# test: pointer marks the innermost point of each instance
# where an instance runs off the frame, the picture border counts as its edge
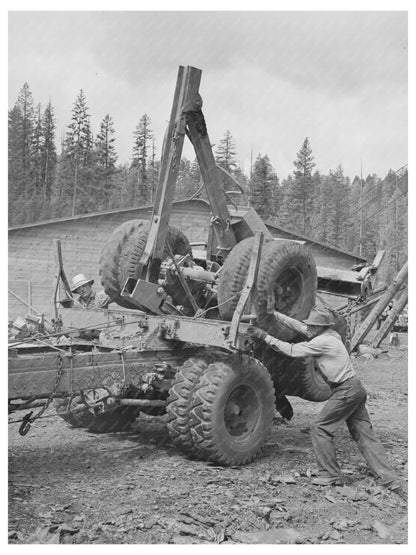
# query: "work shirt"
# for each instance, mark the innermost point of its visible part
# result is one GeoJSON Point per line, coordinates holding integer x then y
{"type": "Point", "coordinates": [95, 300]}
{"type": "Point", "coordinates": [292, 324]}
{"type": "Point", "coordinates": [328, 350]}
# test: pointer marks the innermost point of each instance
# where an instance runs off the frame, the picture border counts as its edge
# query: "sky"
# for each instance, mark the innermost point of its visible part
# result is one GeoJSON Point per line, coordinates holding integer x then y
{"type": "Point", "coordinates": [271, 78]}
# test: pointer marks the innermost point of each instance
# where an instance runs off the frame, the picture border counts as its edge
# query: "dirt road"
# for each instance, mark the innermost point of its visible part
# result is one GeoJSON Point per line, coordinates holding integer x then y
{"type": "Point", "coordinates": [70, 486]}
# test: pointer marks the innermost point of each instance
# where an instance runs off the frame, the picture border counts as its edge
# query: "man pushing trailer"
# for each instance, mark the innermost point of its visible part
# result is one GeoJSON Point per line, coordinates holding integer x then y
{"type": "Point", "coordinates": [346, 404]}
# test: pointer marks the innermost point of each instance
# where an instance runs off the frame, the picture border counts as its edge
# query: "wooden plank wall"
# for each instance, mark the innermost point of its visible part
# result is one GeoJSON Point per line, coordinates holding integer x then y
{"type": "Point", "coordinates": [31, 250]}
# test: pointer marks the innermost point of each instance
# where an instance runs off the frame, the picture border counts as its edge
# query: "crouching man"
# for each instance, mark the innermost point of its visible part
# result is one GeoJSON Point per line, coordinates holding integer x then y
{"type": "Point", "coordinates": [346, 404]}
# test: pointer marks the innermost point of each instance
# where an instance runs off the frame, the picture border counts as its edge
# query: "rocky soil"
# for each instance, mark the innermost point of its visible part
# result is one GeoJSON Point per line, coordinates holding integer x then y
{"type": "Point", "coordinates": [72, 487]}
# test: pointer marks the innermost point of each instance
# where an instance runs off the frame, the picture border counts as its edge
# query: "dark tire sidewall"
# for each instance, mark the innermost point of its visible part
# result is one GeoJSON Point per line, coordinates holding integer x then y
{"type": "Point", "coordinates": [278, 258]}
{"type": "Point", "coordinates": [218, 383]}
{"type": "Point", "coordinates": [120, 258]}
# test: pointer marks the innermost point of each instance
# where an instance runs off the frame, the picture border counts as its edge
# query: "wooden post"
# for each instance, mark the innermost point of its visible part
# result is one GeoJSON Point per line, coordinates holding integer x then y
{"type": "Point", "coordinates": [391, 318]}
{"type": "Point", "coordinates": [250, 289]}
{"type": "Point", "coordinates": [371, 319]}
{"type": "Point", "coordinates": [61, 272]}
{"type": "Point", "coordinates": [61, 276]}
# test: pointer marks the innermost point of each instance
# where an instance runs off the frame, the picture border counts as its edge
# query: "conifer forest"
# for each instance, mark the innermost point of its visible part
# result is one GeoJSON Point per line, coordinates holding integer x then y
{"type": "Point", "coordinates": [83, 174]}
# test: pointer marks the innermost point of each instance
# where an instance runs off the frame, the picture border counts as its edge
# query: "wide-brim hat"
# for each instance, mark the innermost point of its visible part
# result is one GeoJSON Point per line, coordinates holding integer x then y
{"type": "Point", "coordinates": [320, 318]}
{"type": "Point", "coordinates": [78, 281]}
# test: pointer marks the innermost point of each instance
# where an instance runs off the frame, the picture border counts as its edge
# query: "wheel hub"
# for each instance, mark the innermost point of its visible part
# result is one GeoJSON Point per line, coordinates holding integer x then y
{"type": "Point", "coordinates": [287, 290]}
{"type": "Point", "coordinates": [241, 411]}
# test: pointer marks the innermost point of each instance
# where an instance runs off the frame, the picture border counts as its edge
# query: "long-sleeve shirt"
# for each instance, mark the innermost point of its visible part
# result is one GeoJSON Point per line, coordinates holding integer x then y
{"type": "Point", "coordinates": [330, 354]}
{"type": "Point", "coordinates": [95, 300]}
{"type": "Point", "coordinates": [292, 324]}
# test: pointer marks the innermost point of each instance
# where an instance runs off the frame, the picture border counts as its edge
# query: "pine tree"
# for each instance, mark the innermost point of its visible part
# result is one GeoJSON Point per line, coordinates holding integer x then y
{"type": "Point", "coordinates": [36, 151]}
{"type": "Point", "coordinates": [317, 183]}
{"type": "Point", "coordinates": [225, 155]}
{"type": "Point", "coordinates": [340, 194]}
{"type": "Point", "coordinates": [106, 159]}
{"type": "Point", "coordinates": [392, 222]}
{"type": "Point", "coordinates": [353, 238]}
{"type": "Point", "coordinates": [184, 184]}
{"type": "Point", "coordinates": [371, 207]}
{"type": "Point", "coordinates": [20, 128]}
{"type": "Point", "coordinates": [25, 103]}
{"type": "Point", "coordinates": [49, 156]}
{"type": "Point", "coordinates": [322, 228]}
{"type": "Point", "coordinates": [241, 178]}
{"type": "Point", "coordinates": [143, 137]}
{"type": "Point", "coordinates": [263, 187]}
{"type": "Point", "coordinates": [77, 161]}
{"type": "Point", "coordinates": [154, 166]}
{"type": "Point", "coordinates": [297, 209]}
{"type": "Point", "coordinates": [16, 183]}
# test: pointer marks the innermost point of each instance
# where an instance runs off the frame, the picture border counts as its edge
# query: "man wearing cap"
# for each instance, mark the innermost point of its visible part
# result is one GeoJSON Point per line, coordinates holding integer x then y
{"type": "Point", "coordinates": [346, 404]}
{"type": "Point", "coordinates": [87, 296]}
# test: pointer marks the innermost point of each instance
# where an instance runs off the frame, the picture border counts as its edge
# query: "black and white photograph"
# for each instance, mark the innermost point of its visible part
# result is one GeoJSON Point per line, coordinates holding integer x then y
{"type": "Point", "coordinates": [207, 304]}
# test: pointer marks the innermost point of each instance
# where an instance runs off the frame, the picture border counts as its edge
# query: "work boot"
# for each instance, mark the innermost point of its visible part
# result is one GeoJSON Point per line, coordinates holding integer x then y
{"type": "Point", "coordinates": [390, 483]}
{"type": "Point", "coordinates": [396, 486]}
{"type": "Point", "coordinates": [327, 481]}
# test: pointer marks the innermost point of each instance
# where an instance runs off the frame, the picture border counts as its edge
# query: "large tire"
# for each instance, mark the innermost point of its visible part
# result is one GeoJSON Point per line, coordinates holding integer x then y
{"type": "Point", "coordinates": [112, 260]}
{"type": "Point", "coordinates": [180, 400]}
{"type": "Point", "coordinates": [313, 385]}
{"type": "Point", "coordinates": [287, 271]}
{"type": "Point", "coordinates": [120, 259]}
{"type": "Point", "coordinates": [233, 277]}
{"type": "Point", "coordinates": [300, 376]}
{"type": "Point", "coordinates": [232, 411]}
{"type": "Point", "coordinates": [288, 274]}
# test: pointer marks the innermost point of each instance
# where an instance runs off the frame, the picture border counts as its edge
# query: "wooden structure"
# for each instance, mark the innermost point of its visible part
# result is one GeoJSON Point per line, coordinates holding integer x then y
{"type": "Point", "coordinates": [31, 248]}
{"type": "Point", "coordinates": [394, 288]}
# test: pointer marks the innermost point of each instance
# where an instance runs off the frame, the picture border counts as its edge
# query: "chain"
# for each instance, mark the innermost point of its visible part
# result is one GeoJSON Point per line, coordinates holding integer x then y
{"type": "Point", "coordinates": [28, 419]}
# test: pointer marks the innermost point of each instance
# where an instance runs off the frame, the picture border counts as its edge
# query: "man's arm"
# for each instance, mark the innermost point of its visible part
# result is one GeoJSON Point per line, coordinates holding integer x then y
{"type": "Point", "coordinates": [313, 347]}
{"type": "Point", "coordinates": [291, 323]}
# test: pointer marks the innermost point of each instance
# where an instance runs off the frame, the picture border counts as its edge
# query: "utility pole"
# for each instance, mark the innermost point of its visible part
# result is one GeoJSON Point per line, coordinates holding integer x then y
{"type": "Point", "coordinates": [361, 211]}
{"type": "Point", "coordinates": [251, 161]}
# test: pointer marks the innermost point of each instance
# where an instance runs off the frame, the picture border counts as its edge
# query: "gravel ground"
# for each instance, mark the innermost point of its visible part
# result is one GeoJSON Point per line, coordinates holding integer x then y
{"type": "Point", "coordinates": [72, 487]}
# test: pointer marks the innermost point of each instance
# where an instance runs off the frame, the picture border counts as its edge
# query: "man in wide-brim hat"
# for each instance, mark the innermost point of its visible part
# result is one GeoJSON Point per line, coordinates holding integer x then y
{"type": "Point", "coordinates": [346, 404]}
{"type": "Point", "coordinates": [82, 286]}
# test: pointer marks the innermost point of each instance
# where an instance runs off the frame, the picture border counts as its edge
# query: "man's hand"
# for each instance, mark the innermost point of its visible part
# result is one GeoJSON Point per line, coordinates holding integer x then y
{"type": "Point", "coordinates": [256, 333]}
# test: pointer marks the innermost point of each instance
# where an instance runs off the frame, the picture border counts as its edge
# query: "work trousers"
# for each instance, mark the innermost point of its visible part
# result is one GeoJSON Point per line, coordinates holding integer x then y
{"type": "Point", "coordinates": [347, 404]}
